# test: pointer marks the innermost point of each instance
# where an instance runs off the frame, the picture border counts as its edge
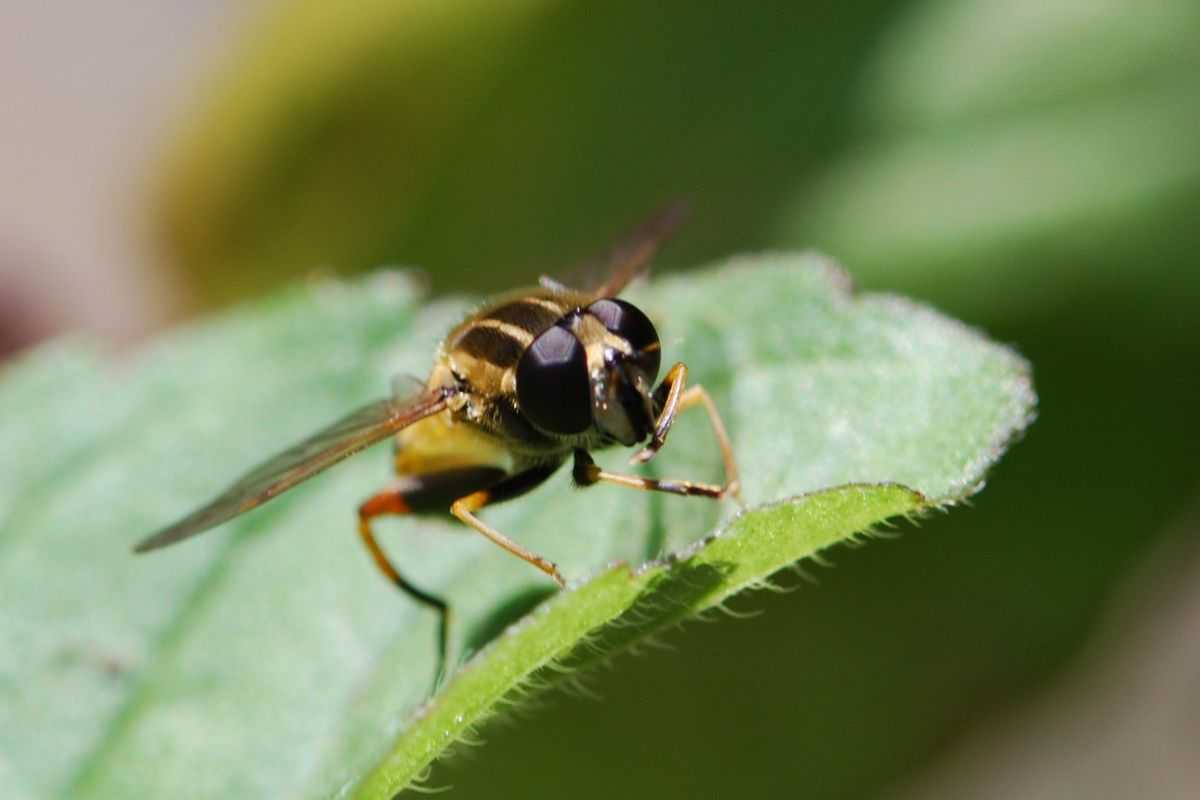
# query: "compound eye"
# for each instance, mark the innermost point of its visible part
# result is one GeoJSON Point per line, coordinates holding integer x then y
{"type": "Point", "coordinates": [627, 321]}
{"type": "Point", "coordinates": [552, 383]}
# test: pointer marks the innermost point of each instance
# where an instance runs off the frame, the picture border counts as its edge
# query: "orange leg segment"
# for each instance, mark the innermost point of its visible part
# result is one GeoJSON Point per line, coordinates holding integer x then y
{"type": "Point", "coordinates": [392, 501]}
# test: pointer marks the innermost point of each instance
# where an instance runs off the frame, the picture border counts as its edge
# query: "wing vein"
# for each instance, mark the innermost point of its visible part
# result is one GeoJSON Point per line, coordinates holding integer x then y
{"type": "Point", "coordinates": [364, 427]}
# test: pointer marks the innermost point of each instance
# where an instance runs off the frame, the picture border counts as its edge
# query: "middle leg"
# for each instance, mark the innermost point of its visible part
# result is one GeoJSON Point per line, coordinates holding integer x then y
{"type": "Point", "coordinates": [587, 472]}
{"type": "Point", "coordinates": [464, 509]}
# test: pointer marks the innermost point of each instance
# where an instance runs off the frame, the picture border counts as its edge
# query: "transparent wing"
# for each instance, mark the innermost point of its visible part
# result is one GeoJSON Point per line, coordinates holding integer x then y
{"type": "Point", "coordinates": [366, 426]}
{"type": "Point", "coordinates": [633, 254]}
{"type": "Point", "coordinates": [405, 384]}
{"type": "Point", "coordinates": [630, 256]}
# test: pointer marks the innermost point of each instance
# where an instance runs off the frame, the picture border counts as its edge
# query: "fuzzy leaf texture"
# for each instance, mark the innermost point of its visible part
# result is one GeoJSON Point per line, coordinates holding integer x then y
{"type": "Point", "coordinates": [269, 659]}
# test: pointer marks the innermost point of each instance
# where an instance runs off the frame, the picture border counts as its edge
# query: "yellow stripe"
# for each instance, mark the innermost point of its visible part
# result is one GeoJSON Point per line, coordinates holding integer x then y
{"type": "Point", "coordinates": [546, 303]}
{"type": "Point", "coordinates": [515, 332]}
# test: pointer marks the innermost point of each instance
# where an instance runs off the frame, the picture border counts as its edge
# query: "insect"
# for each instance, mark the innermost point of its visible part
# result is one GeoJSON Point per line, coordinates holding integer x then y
{"type": "Point", "coordinates": [529, 380]}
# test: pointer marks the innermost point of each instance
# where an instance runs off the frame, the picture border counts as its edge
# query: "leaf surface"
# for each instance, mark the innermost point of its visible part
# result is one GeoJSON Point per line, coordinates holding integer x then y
{"type": "Point", "coordinates": [269, 659]}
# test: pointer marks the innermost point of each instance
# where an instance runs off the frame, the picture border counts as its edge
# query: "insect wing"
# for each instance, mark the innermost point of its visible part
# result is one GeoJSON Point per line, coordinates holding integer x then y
{"type": "Point", "coordinates": [366, 426]}
{"type": "Point", "coordinates": [632, 255]}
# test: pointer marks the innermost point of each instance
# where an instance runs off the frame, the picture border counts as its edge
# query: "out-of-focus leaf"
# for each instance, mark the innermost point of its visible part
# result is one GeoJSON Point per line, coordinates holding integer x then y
{"type": "Point", "coordinates": [267, 659]}
{"type": "Point", "coordinates": [1010, 155]}
{"type": "Point", "coordinates": [492, 140]}
{"type": "Point", "coordinates": [950, 62]}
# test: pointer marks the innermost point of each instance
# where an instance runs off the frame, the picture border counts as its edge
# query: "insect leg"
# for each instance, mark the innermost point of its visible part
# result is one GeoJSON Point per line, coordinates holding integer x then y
{"type": "Point", "coordinates": [465, 507]}
{"type": "Point", "coordinates": [698, 395]}
{"type": "Point", "coordinates": [669, 393]}
{"type": "Point", "coordinates": [586, 472]}
{"type": "Point", "coordinates": [676, 400]}
{"type": "Point", "coordinates": [392, 501]}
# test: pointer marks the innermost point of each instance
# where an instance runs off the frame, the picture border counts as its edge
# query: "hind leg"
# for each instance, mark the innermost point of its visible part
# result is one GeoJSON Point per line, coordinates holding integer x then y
{"type": "Point", "coordinates": [420, 494]}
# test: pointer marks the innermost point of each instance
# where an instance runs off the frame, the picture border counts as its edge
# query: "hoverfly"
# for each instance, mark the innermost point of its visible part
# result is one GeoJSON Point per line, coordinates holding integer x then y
{"type": "Point", "coordinates": [530, 379]}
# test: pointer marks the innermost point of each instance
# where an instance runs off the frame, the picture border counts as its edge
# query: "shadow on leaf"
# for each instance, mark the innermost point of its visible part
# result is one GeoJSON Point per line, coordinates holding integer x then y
{"type": "Point", "coordinates": [505, 614]}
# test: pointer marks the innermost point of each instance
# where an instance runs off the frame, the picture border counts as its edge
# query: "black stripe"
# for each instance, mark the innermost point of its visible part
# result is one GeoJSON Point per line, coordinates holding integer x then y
{"type": "Point", "coordinates": [434, 492]}
{"type": "Point", "coordinates": [528, 316]}
{"type": "Point", "coordinates": [491, 345]}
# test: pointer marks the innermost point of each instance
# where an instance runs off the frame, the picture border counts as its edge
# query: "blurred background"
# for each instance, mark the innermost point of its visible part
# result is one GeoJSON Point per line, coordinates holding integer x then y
{"type": "Point", "coordinates": [1031, 167]}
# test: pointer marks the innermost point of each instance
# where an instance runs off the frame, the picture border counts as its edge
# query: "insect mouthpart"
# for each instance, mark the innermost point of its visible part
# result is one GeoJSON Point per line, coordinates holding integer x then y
{"type": "Point", "coordinates": [622, 404]}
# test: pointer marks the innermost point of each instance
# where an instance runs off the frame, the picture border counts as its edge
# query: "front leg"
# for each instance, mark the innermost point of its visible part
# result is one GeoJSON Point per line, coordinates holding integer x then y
{"type": "Point", "coordinates": [676, 399]}
{"type": "Point", "coordinates": [586, 472]}
{"type": "Point", "coordinates": [669, 393]}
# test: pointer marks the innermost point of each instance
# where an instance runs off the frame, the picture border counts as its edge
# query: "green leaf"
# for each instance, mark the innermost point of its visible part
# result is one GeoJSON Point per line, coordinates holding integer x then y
{"type": "Point", "coordinates": [268, 659]}
{"type": "Point", "coordinates": [1008, 154]}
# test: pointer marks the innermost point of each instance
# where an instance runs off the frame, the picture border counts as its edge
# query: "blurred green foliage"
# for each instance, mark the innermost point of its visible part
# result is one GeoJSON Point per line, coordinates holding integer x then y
{"type": "Point", "coordinates": [1031, 166]}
